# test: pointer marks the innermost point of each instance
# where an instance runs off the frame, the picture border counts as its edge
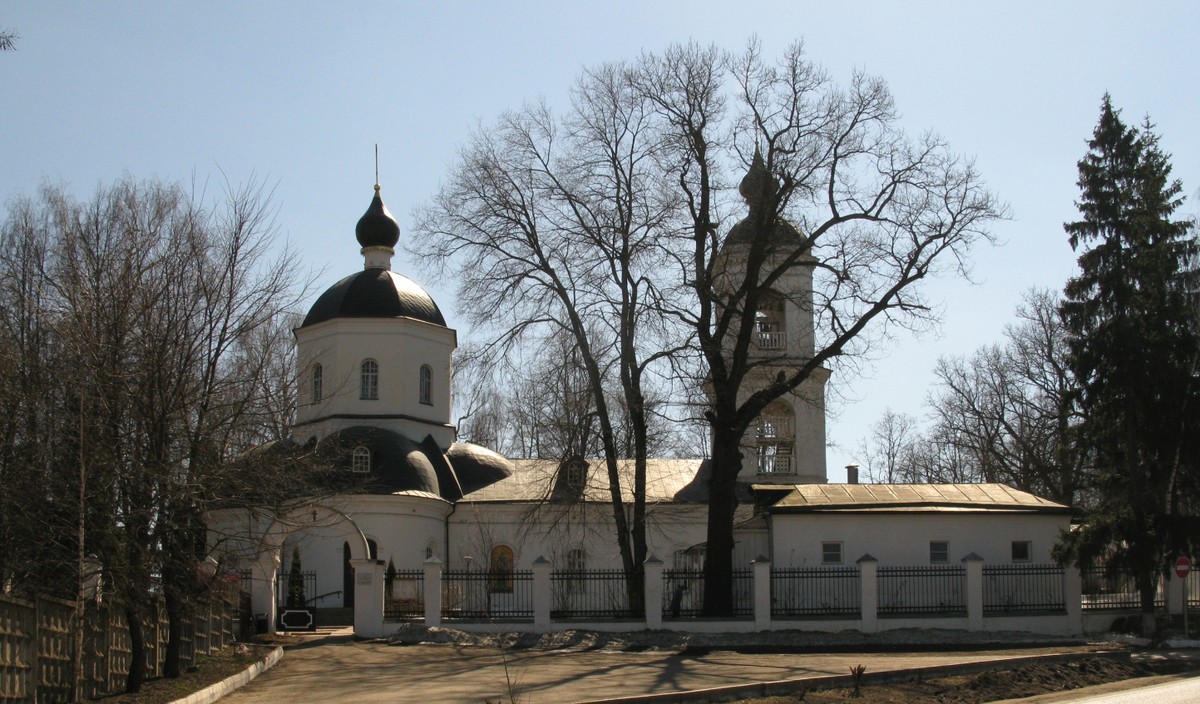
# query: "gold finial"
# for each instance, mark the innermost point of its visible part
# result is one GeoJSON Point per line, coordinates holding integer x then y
{"type": "Point", "coordinates": [377, 188]}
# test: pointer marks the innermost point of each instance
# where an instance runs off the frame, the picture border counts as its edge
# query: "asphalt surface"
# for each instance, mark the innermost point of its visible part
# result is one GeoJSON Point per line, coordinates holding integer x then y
{"type": "Point", "coordinates": [1185, 691]}
{"type": "Point", "coordinates": [339, 669]}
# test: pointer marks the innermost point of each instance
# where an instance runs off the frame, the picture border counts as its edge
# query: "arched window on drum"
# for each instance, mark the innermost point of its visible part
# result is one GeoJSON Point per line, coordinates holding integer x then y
{"type": "Point", "coordinates": [426, 388]}
{"type": "Point", "coordinates": [370, 380]}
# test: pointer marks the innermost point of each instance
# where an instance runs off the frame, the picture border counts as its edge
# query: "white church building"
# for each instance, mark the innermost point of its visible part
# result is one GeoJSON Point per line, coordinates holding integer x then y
{"type": "Point", "coordinates": [374, 360]}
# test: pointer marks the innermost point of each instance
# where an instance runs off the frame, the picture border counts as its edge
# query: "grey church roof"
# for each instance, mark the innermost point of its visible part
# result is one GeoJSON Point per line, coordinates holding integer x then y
{"type": "Point", "coordinates": [535, 480]}
{"type": "Point", "coordinates": [817, 498]}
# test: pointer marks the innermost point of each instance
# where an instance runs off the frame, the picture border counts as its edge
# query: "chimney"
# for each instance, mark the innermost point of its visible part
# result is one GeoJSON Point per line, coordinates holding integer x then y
{"type": "Point", "coordinates": [852, 473]}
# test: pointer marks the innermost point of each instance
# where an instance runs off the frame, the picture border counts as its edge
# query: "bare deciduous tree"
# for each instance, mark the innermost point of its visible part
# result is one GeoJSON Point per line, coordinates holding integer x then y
{"type": "Point", "coordinates": [874, 212]}
{"type": "Point", "coordinates": [612, 216]}
{"type": "Point", "coordinates": [143, 328]}
{"type": "Point", "coordinates": [888, 452]}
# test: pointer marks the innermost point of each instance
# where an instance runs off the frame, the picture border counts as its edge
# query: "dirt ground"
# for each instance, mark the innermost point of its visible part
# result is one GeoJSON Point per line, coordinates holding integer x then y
{"type": "Point", "coordinates": [779, 641]}
{"type": "Point", "coordinates": [991, 686]}
{"type": "Point", "coordinates": [210, 670]}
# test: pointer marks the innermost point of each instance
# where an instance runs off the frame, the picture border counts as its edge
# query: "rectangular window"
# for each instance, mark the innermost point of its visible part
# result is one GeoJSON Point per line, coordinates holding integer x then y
{"type": "Point", "coordinates": [1022, 551]}
{"type": "Point", "coordinates": [939, 552]}
{"type": "Point", "coordinates": [831, 553]}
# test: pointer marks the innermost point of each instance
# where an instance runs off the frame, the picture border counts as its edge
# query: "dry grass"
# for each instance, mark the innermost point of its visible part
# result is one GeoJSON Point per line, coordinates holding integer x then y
{"type": "Point", "coordinates": [989, 686]}
{"type": "Point", "coordinates": [208, 671]}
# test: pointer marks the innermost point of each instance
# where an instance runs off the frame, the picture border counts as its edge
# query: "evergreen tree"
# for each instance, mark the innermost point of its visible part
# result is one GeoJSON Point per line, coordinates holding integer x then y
{"type": "Point", "coordinates": [296, 598]}
{"type": "Point", "coordinates": [1131, 320]}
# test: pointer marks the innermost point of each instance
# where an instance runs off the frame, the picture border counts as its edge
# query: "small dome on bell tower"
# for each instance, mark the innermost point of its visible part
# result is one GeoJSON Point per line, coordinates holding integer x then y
{"type": "Point", "coordinates": [378, 232]}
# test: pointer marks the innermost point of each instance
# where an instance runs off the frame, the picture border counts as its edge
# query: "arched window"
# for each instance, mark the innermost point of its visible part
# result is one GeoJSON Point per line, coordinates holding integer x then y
{"type": "Point", "coordinates": [361, 461]}
{"type": "Point", "coordinates": [370, 380]}
{"type": "Point", "coordinates": [430, 549]}
{"type": "Point", "coordinates": [576, 469]}
{"type": "Point", "coordinates": [317, 374]}
{"type": "Point", "coordinates": [426, 385]}
{"type": "Point", "coordinates": [501, 579]}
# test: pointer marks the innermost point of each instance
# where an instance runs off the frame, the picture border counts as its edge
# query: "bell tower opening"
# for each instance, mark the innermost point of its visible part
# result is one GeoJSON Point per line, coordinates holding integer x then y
{"type": "Point", "coordinates": [770, 322]}
{"type": "Point", "coordinates": [775, 439]}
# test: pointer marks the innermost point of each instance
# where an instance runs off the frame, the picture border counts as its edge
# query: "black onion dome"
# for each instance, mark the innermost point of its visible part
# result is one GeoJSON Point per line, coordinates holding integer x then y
{"type": "Point", "coordinates": [377, 227]}
{"type": "Point", "coordinates": [757, 186]}
{"type": "Point", "coordinates": [397, 463]}
{"type": "Point", "coordinates": [375, 293]}
{"type": "Point", "coordinates": [784, 236]}
{"type": "Point", "coordinates": [477, 466]}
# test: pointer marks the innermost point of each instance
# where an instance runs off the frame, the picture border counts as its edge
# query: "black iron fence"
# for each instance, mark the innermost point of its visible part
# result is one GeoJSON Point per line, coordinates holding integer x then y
{"type": "Point", "coordinates": [815, 591]}
{"type": "Point", "coordinates": [1109, 590]}
{"type": "Point", "coordinates": [1023, 589]}
{"type": "Point", "coordinates": [592, 594]}
{"type": "Point", "coordinates": [295, 589]}
{"type": "Point", "coordinates": [683, 593]}
{"type": "Point", "coordinates": [404, 596]}
{"type": "Point", "coordinates": [922, 590]}
{"type": "Point", "coordinates": [474, 594]}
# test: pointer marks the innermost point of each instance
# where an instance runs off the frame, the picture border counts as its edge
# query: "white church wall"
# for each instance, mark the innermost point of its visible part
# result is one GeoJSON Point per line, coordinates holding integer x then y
{"type": "Point", "coordinates": [400, 347]}
{"type": "Point", "coordinates": [902, 538]}
{"type": "Point", "coordinates": [402, 527]}
{"type": "Point", "coordinates": [532, 532]}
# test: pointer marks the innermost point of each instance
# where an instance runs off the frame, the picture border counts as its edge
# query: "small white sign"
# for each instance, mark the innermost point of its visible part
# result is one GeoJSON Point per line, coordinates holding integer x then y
{"type": "Point", "coordinates": [365, 577]}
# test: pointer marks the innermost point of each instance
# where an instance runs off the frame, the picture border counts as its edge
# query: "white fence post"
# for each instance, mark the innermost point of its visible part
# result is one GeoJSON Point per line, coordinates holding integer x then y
{"type": "Point", "coordinates": [868, 584]}
{"type": "Point", "coordinates": [1073, 597]}
{"type": "Point", "coordinates": [433, 592]}
{"type": "Point", "coordinates": [368, 598]}
{"type": "Point", "coordinates": [541, 595]}
{"type": "Point", "coordinates": [974, 594]}
{"type": "Point", "coordinates": [762, 593]}
{"type": "Point", "coordinates": [262, 589]}
{"type": "Point", "coordinates": [1174, 594]}
{"type": "Point", "coordinates": [652, 592]}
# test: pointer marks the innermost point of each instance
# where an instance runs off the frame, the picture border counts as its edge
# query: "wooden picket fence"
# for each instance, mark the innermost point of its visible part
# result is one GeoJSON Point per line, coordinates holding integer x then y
{"type": "Point", "coordinates": [37, 646]}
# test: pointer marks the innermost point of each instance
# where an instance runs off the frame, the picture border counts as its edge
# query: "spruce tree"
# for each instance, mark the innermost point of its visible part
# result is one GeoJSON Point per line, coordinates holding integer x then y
{"type": "Point", "coordinates": [1133, 348]}
{"type": "Point", "coordinates": [296, 597]}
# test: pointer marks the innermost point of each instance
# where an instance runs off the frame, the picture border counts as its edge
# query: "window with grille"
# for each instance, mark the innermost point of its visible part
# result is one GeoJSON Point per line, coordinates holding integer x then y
{"type": "Point", "coordinates": [426, 385]}
{"type": "Point", "coordinates": [370, 380]}
{"type": "Point", "coordinates": [361, 461]}
{"type": "Point", "coordinates": [831, 553]}
{"type": "Point", "coordinates": [317, 374]}
{"type": "Point", "coordinates": [1022, 551]}
{"type": "Point", "coordinates": [939, 552]}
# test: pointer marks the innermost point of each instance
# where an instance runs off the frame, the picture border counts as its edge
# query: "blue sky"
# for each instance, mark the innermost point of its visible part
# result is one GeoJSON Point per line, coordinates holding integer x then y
{"type": "Point", "coordinates": [299, 92]}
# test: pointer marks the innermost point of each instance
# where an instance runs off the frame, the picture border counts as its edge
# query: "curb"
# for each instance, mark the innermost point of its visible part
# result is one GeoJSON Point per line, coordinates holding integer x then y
{"type": "Point", "coordinates": [214, 692]}
{"type": "Point", "coordinates": [782, 687]}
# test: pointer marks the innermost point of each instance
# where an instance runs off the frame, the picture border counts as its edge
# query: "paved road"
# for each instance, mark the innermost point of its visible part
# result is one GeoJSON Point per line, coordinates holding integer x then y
{"type": "Point", "coordinates": [352, 672]}
{"type": "Point", "coordinates": [1180, 692]}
